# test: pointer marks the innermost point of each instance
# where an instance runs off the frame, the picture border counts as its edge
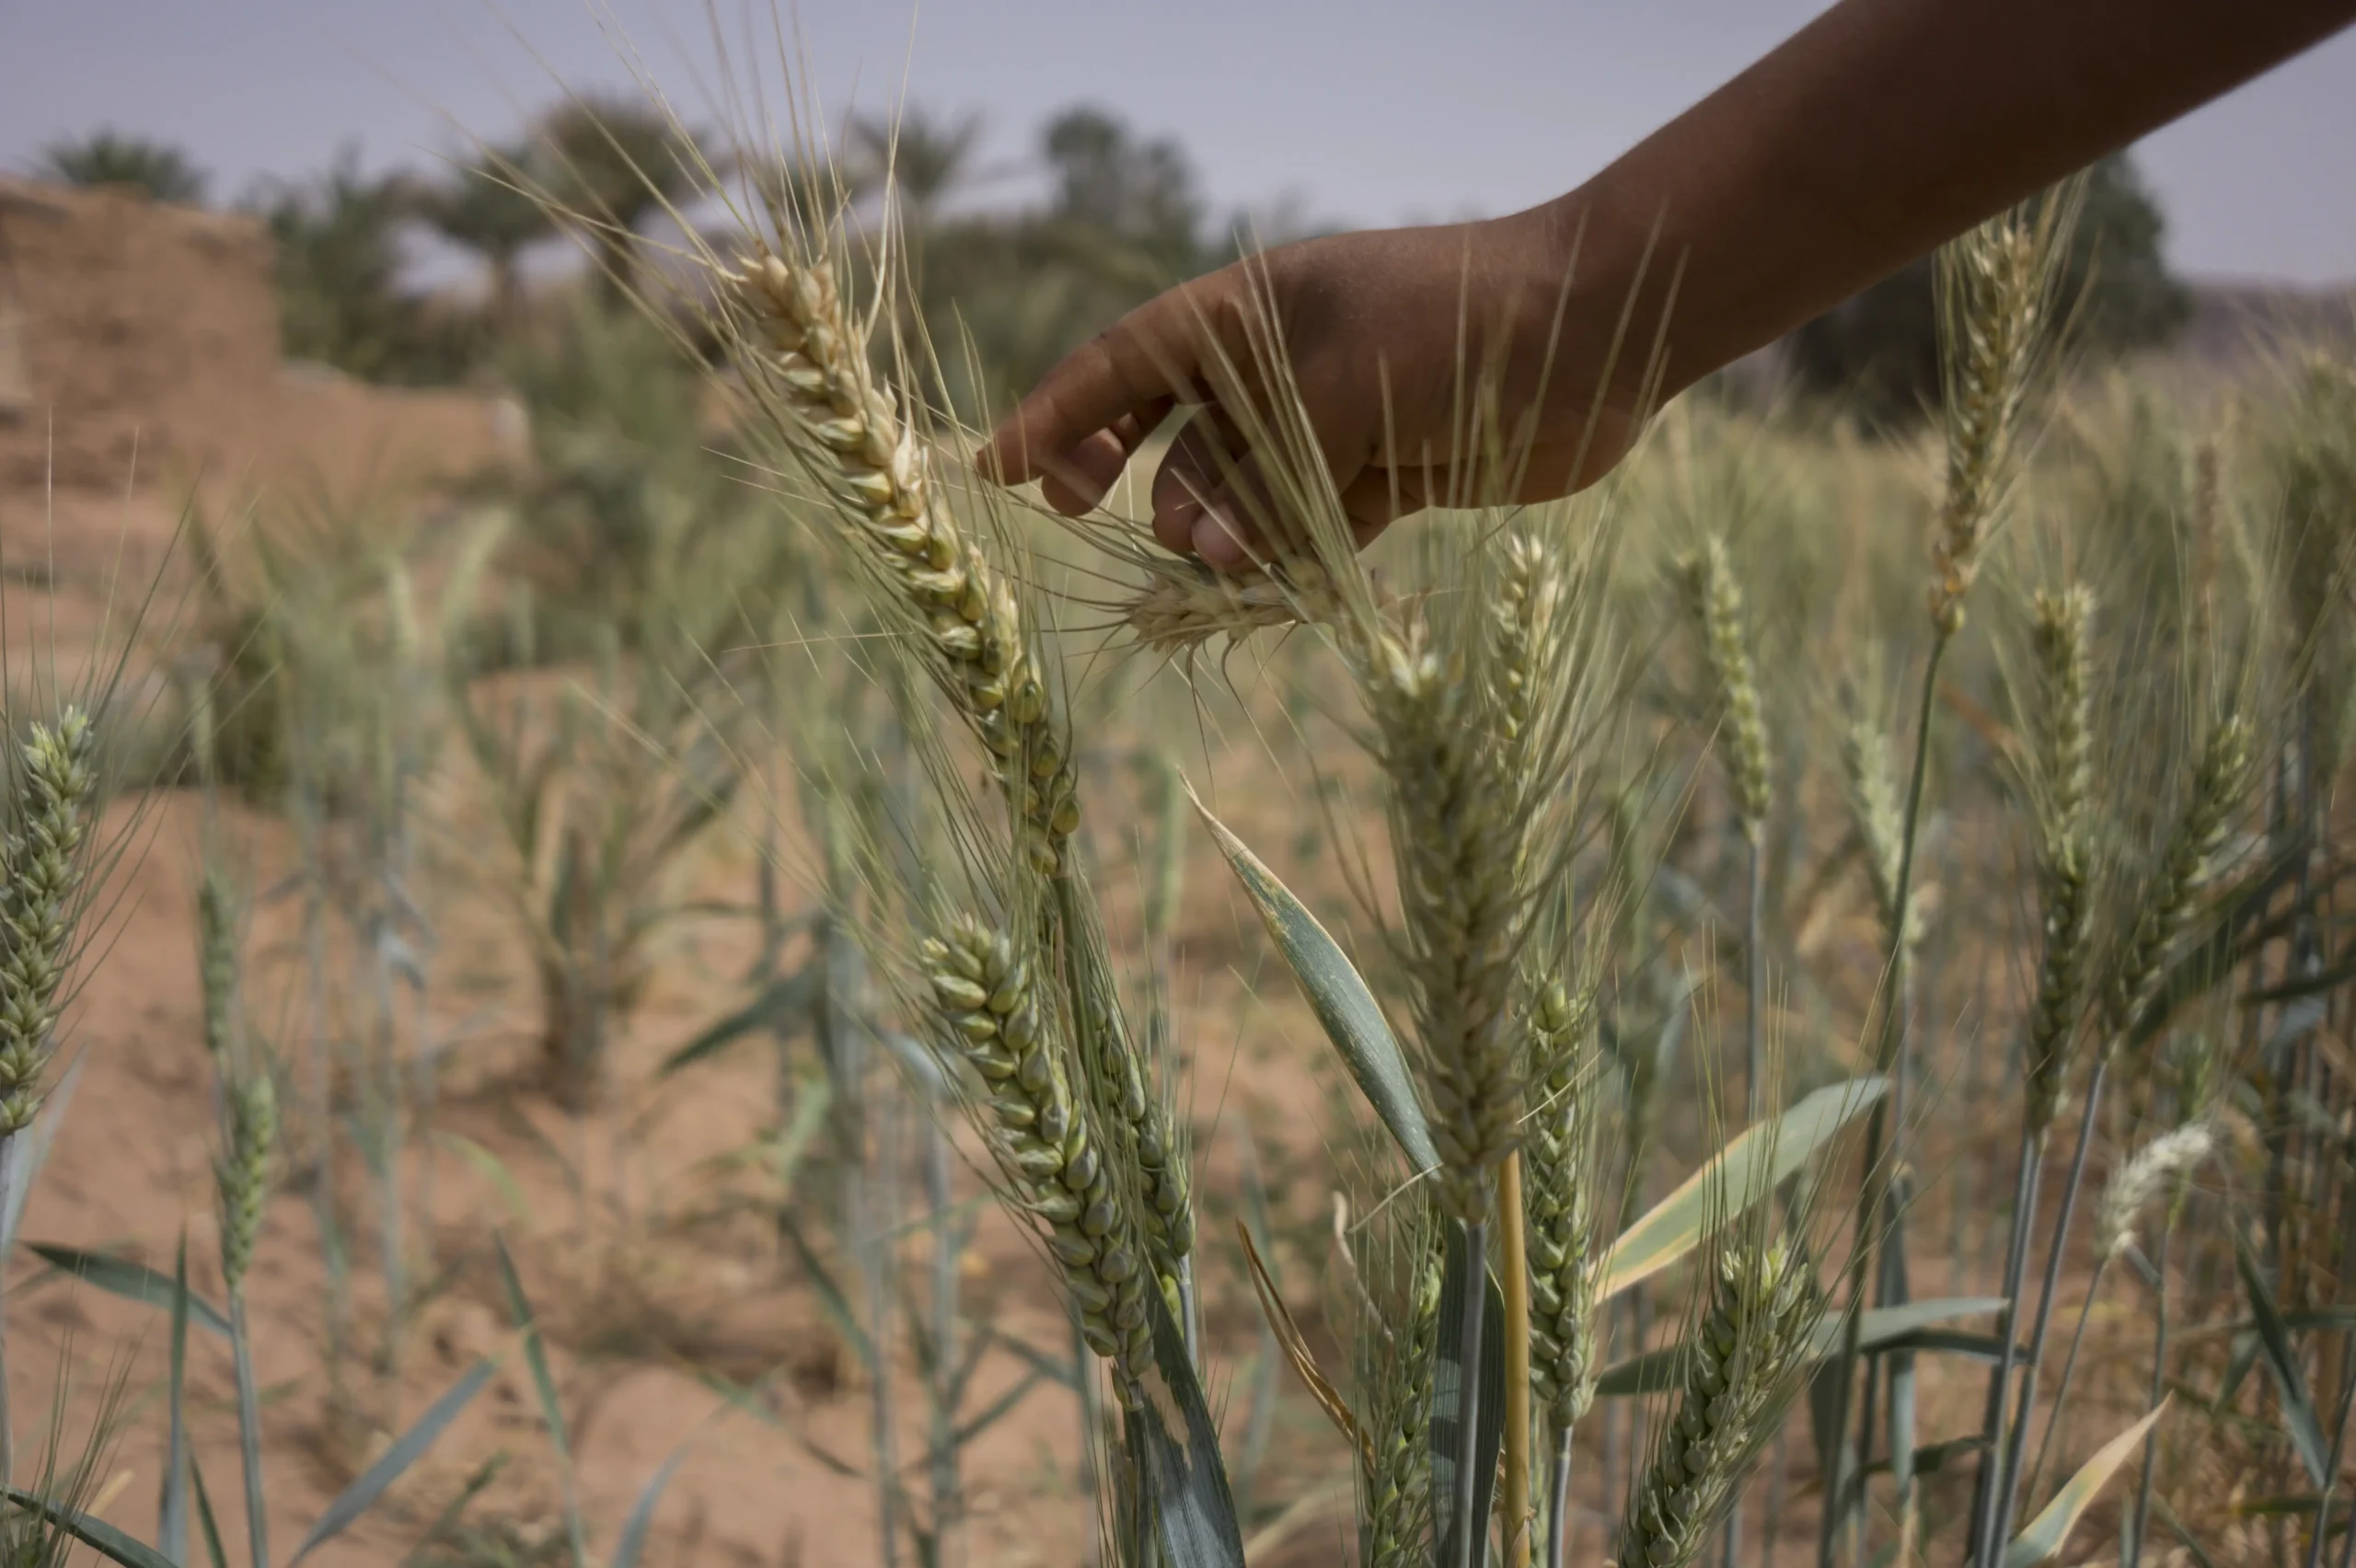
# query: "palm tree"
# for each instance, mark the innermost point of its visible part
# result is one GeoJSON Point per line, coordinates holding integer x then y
{"type": "Point", "coordinates": [926, 158]}
{"type": "Point", "coordinates": [108, 157]}
{"type": "Point", "coordinates": [488, 207]}
{"type": "Point", "coordinates": [339, 238]}
{"type": "Point", "coordinates": [612, 162]}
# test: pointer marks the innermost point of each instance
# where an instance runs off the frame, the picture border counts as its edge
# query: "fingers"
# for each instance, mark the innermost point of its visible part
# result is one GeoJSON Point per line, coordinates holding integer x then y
{"type": "Point", "coordinates": [1213, 497]}
{"type": "Point", "coordinates": [1078, 482]}
{"type": "Point", "coordinates": [1124, 373]}
{"type": "Point", "coordinates": [1208, 501]}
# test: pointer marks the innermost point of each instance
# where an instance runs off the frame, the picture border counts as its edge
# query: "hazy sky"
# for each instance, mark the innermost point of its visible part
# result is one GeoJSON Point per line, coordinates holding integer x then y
{"type": "Point", "coordinates": [1368, 111]}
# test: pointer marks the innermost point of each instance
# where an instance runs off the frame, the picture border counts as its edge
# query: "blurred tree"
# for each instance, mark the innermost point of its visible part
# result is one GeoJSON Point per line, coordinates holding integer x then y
{"type": "Point", "coordinates": [1122, 219]}
{"type": "Point", "coordinates": [486, 208]}
{"type": "Point", "coordinates": [108, 157]}
{"type": "Point", "coordinates": [1138, 192]}
{"type": "Point", "coordinates": [341, 300]}
{"type": "Point", "coordinates": [1878, 351]}
{"type": "Point", "coordinates": [614, 161]}
{"type": "Point", "coordinates": [926, 158]}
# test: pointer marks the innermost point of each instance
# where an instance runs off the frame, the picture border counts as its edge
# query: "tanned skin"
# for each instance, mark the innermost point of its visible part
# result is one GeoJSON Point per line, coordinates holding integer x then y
{"type": "Point", "coordinates": [1872, 135]}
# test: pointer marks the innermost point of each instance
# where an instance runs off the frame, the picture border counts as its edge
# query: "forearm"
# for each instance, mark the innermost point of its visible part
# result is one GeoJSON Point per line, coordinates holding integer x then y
{"type": "Point", "coordinates": [1875, 133]}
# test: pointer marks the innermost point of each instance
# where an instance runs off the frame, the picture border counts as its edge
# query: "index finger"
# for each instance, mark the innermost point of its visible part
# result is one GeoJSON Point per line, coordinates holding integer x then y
{"type": "Point", "coordinates": [1132, 368]}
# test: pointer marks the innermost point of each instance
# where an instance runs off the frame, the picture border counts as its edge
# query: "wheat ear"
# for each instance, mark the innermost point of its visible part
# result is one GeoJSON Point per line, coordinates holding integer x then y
{"type": "Point", "coordinates": [988, 1008]}
{"type": "Point", "coordinates": [1397, 1513]}
{"type": "Point", "coordinates": [1458, 842]}
{"type": "Point", "coordinates": [813, 358]}
{"type": "Point", "coordinates": [2218, 784]}
{"type": "Point", "coordinates": [1879, 815]}
{"type": "Point", "coordinates": [1715, 599]}
{"type": "Point", "coordinates": [1115, 1072]}
{"type": "Point", "coordinates": [2062, 777]}
{"type": "Point", "coordinates": [40, 872]}
{"type": "Point", "coordinates": [2146, 1176]}
{"type": "Point", "coordinates": [1185, 605]}
{"type": "Point", "coordinates": [1739, 1366]}
{"type": "Point", "coordinates": [1997, 286]}
{"type": "Point", "coordinates": [243, 1170]}
{"type": "Point", "coordinates": [1559, 1154]}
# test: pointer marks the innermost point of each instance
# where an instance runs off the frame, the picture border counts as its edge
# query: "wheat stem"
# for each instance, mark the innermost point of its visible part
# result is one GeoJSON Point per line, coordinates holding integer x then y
{"type": "Point", "coordinates": [1872, 1187]}
{"type": "Point", "coordinates": [248, 1427]}
{"type": "Point", "coordinates": [2069, 1371]}
{"type": "Point", "coordinates": [1558, 1502]}
{"type": "Point", "coordinates": [1513, 1279]}
{"type": "Point", "coordinates": [2027, 1180]}
{"type": "Point", "coordinates": [2132, 1549]}
{"type": "Point", "coordinates": [2008, 1494]}
{"type": "Point", "coordinates": [1459, 1548]}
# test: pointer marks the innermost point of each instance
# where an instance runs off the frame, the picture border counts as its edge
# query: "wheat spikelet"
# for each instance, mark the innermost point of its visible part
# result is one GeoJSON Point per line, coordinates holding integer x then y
{"type": "Point", "coordinates": [40, 871]}
{"type": "Point", "coordinates": [2063, 772]}
{"type": "Point", "coordinates": [2129, 1192]}
{"type": "Point", "coordinates": [812, 358]}
{"type": "Point", "coordinates": [1714, 600]}
{"type": "Point", "coordinates": [1561, 1171]}
{"type": "Point", "coordinates": [990, 1012]}
{"type": "Point", "coordinates": [2218, 783]}
{"type": "Point", "coordinates": [1739, 1362]}
{"type": "Point", "coordinates": [242, 1172]}
{"type": "Point", "coordinates": [1397, 1508]}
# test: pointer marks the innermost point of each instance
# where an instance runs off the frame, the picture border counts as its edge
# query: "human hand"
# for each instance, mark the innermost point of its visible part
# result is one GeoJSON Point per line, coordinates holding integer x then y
{"type": "Point", "coordinates": [1384, 333]}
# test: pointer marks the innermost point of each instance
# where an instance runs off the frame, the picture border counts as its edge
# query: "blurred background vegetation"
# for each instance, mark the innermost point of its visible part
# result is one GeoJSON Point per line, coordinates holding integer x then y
{"type": "Point", "coordinates": [1120, 214]}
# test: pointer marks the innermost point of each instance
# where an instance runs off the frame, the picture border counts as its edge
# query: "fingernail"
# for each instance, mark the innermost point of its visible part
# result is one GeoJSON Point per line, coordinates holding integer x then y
{"type": "Point", "coordinates": [1217, 541]}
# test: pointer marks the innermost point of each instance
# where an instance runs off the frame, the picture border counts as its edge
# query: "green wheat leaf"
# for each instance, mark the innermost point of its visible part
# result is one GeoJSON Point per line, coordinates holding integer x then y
{"type": "Point", "coordinates": [1747, 1170]}
{"type": "Point", "coordinates": [2282, 1360]}
{"type": "Point", "coordinates": [2047, 1533]}
{"type": "Point", "coordinates": [95, 1534]}
{"type": "Point", "coordinates": [406, 1450]}
{"type": "Point", "coordinates": [133, 1282]}
{"type": "Point", "coordinates": [1885, 1328]}
{"type": "Point", "coordinates": [1338, 994]}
